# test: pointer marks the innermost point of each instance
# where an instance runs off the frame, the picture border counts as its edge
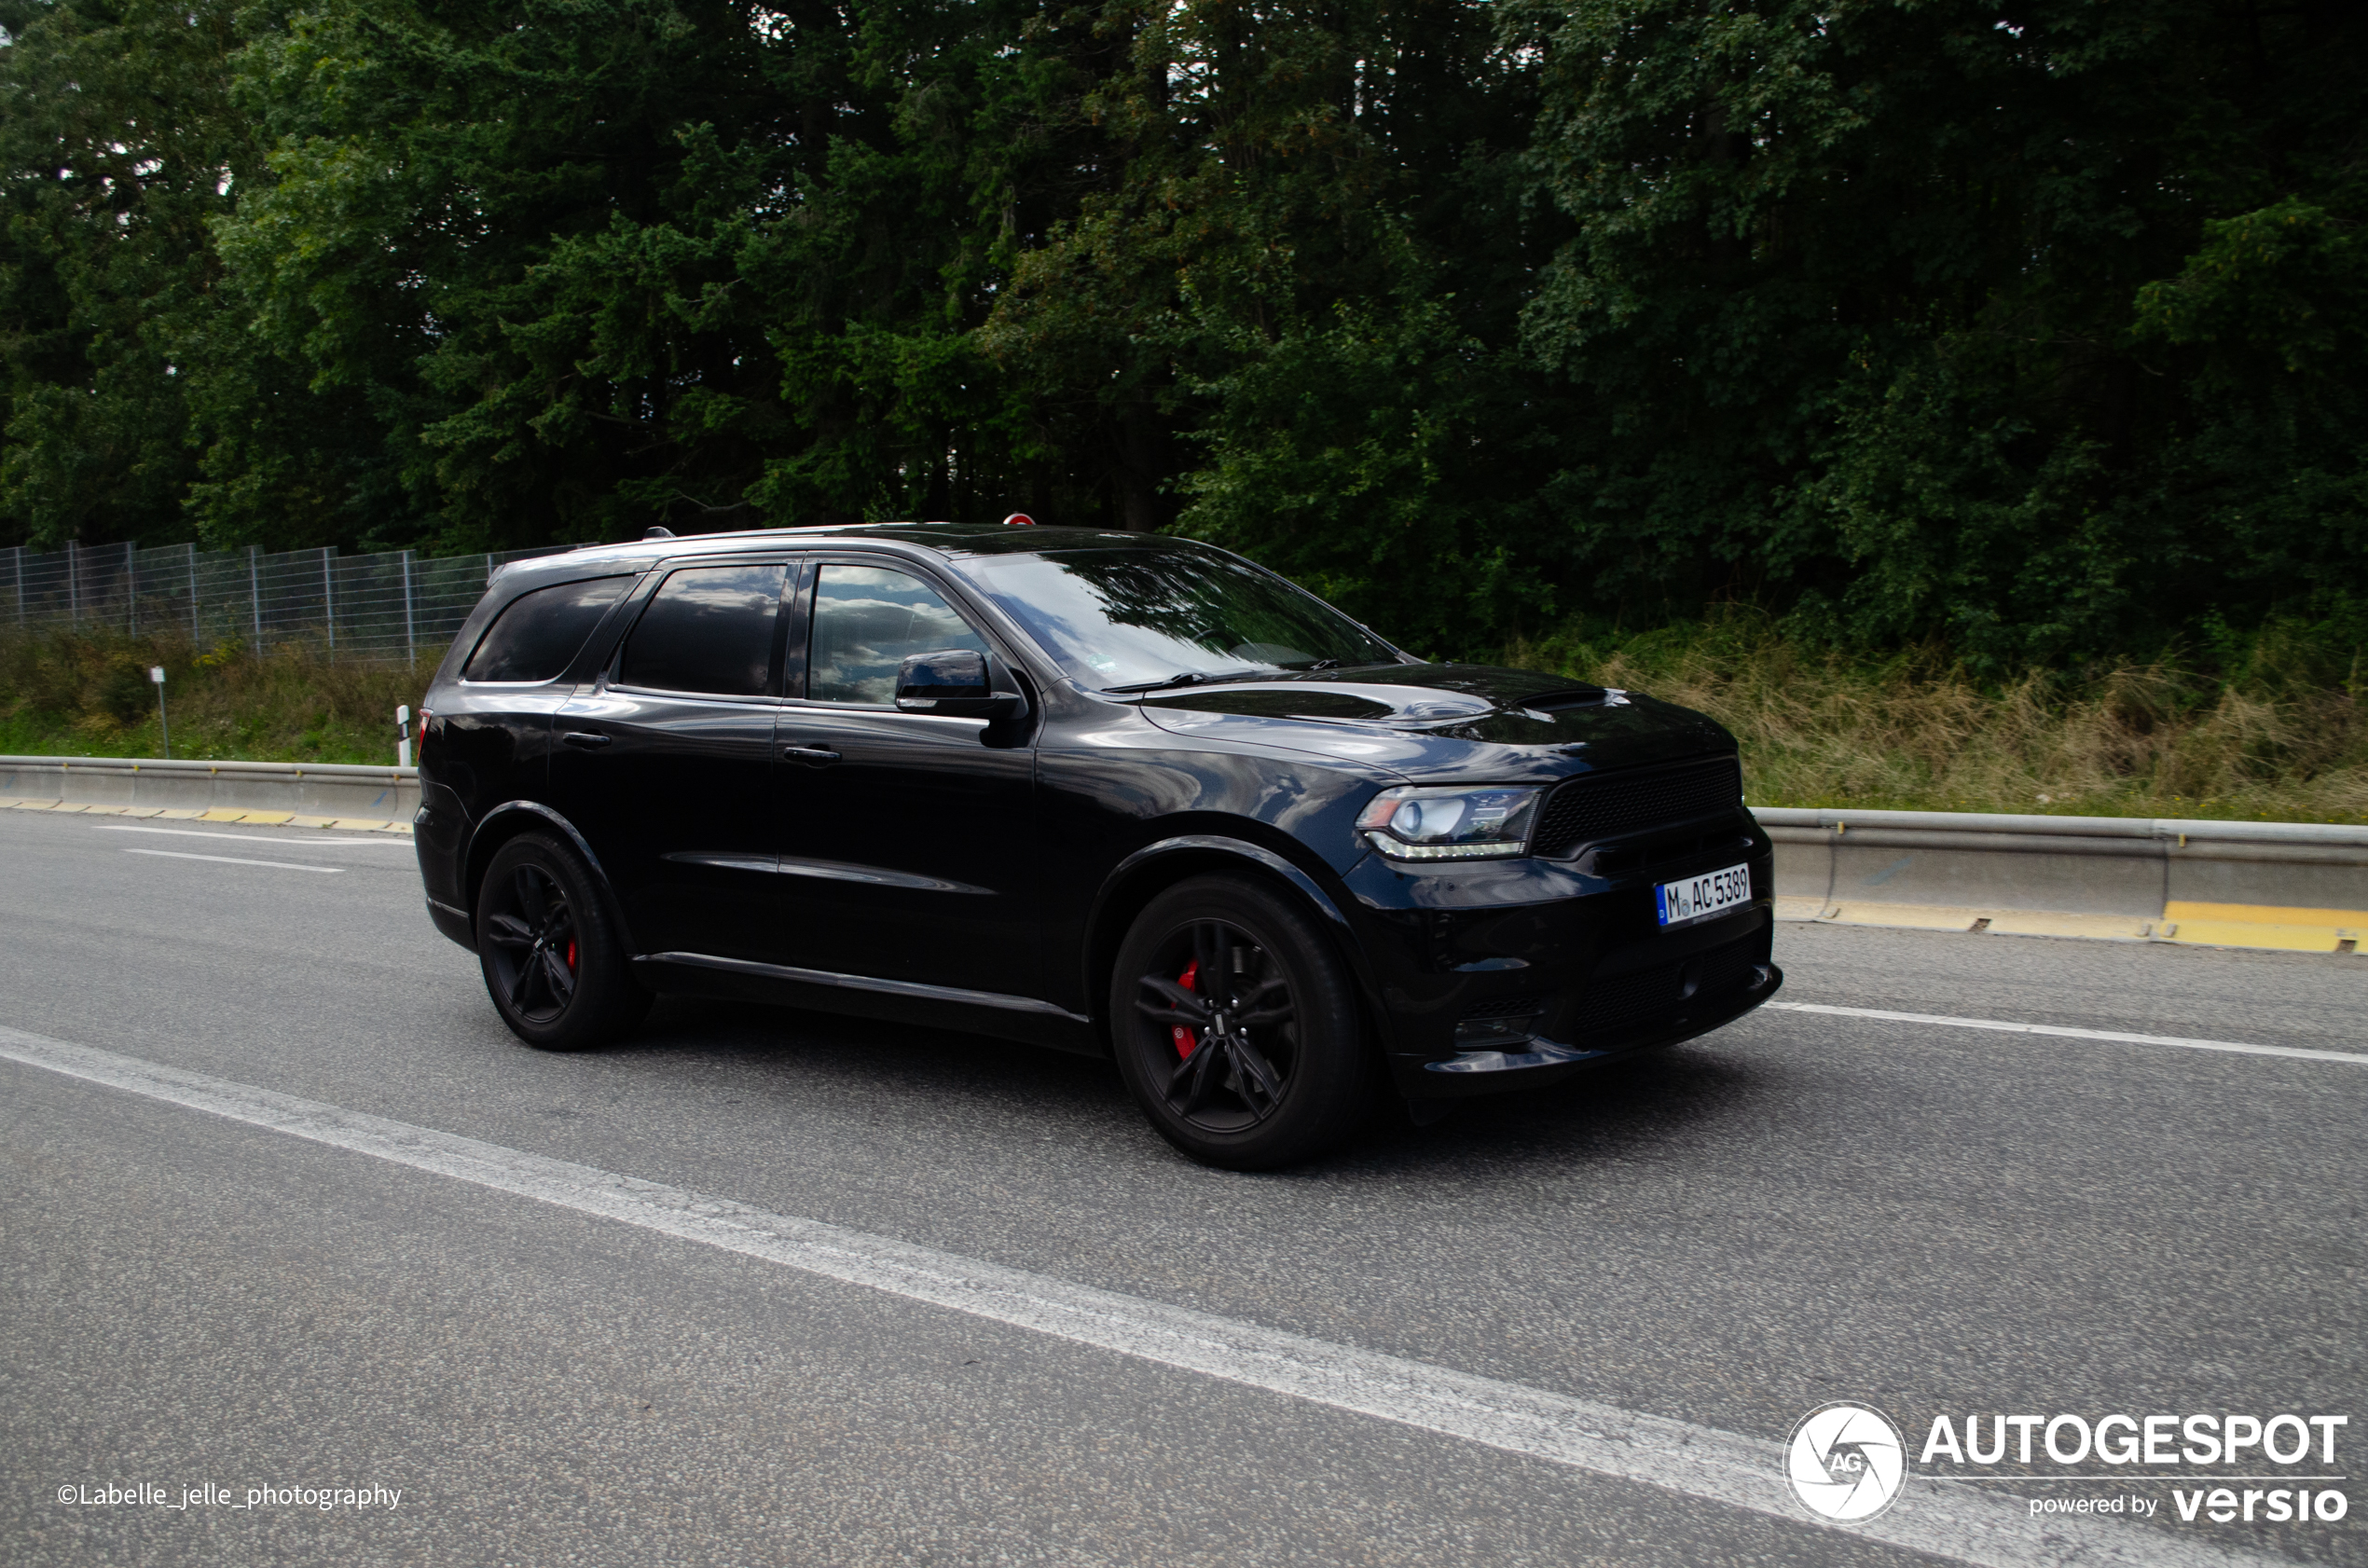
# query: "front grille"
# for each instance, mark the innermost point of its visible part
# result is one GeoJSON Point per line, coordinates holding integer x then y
{"type": "Point", "coordinates": [1607, 805]}
{"type": "Point", "coordinates": [1623, 1001]}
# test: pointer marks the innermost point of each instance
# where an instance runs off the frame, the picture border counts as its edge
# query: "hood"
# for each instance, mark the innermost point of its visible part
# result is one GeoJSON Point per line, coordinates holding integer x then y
{"type": "Point", "coordinates": [1445, 721]}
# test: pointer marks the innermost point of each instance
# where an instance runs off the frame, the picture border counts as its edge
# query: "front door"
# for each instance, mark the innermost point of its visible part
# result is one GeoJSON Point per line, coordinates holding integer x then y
{"type": "Point", "coordinates": [666, 764]}
{"type": "Point", "coordinates": [907, 842]}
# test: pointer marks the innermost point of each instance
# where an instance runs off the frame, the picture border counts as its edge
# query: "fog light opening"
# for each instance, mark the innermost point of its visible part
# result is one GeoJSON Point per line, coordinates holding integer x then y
{"type": "Point", "coordinates": [1477, 1032]}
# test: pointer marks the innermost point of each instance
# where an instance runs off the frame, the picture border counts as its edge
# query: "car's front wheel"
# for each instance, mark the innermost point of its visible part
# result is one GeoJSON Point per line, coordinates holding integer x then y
{"type": "Point", "coordinates": [553, 964]}
{"type": "Point", "coordinates": [1236, 1028]}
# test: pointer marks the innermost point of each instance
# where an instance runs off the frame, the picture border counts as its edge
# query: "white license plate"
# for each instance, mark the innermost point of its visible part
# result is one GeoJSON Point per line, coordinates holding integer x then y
{"type": "Point", "coordinates": [1699, 898]}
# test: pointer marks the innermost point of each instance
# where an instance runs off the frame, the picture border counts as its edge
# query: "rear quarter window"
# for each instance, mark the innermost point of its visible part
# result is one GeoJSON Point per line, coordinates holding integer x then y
{"type": "Point", "coordinates": [540, 633]}
{"type": "Point", "coordinates": [708, 629]}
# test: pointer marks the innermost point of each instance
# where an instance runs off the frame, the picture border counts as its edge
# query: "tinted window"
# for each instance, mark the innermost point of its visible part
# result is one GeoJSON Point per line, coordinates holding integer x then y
{"type": "Point", "coordinates": [708, 628]}
{"type": "Point", "coordinates": [1121, 618]}
{"type": "Point", "coordinates": [540, 634]}
{"type": "Point", "coordinates": [866, 620]}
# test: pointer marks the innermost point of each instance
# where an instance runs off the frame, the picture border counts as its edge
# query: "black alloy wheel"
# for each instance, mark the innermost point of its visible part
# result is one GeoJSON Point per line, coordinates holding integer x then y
{"type": "Point", "coordinates": [1236, 1028]}
{"type": "Point", "coordinates": [530, 934]}
{"type": "Point", "coordinates": [1230, 1017]}
{"type": "Point", "coordinates": [553, 965]}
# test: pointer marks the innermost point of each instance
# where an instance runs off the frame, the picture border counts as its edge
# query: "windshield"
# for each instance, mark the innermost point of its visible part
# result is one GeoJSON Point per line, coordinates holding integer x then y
{"type": "Point", "coordinates": [1121, 619]}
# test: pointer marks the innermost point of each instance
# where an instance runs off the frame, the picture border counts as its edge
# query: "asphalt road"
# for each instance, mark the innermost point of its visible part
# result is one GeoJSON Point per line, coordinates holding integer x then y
{"type": "Point", "coordinates": [1801, 1208]}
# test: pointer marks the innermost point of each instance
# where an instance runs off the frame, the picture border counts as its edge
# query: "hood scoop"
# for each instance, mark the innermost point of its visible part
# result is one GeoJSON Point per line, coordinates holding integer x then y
{"type": "Point", "coordinates": [1425, 718]}
{"type": "Point", "coordinates": [1281, 702]}
{"type": "Point", "coordinates": [1569, 696]}
{"type": "Point", "coordinates": [1396, 707]}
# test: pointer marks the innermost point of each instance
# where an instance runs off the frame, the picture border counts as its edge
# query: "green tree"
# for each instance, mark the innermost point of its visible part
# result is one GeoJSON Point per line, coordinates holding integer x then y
{"type": "Point", "coordinates": [116, 145]}
{"type": "Point", "coordinates": [1924, 315]}
{"type": "Point", "coordinates": [497, 237]}
{"type": "Point", "coordinates": [1286, 311]}
{"type": "Point", "coordinates": [591, 267]}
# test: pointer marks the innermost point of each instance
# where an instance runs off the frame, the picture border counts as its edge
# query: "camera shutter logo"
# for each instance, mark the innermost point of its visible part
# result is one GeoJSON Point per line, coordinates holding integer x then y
{"type": "Point", "coordinates": [1846, 1462]}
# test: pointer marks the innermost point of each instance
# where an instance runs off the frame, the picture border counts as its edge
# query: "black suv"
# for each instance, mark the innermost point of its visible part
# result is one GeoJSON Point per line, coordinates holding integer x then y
{"type": "Point", "coordinates": [1117, 793]}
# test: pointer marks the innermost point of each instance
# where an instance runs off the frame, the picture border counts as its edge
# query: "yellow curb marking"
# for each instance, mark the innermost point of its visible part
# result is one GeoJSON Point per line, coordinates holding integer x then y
{"type": "Point", "coordinates": [2249, 927]}
{"type": "Point", "coordinates": [2253, 933]}
{"type": "Point", "coordinates": [2266, 915]}
{"type": "Point", "coordinates": [2046, 922]}
{"type": "Point", "coordinates": [1930, 917]}
{"type": "Point", "coordinates": [219, 814]}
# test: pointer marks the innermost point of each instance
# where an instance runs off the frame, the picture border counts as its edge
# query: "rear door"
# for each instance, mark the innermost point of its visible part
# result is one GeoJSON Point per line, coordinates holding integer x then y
{"type": "Point", "coordinates": [907, 840]}
{"type": "Point", "coordinates": [664, 762]}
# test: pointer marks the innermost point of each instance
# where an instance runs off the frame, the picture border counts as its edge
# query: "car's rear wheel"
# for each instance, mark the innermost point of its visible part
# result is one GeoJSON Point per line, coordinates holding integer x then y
{"type": "Point", "coordinates": [553, 964]}
{"type": "Point", "coordinates": [1236, 1028]}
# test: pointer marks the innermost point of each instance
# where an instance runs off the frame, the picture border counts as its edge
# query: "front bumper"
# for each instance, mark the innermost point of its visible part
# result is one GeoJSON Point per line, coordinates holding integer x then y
{"type": "Point", "coordinates": [1488, 976]}
{"type": "Point", "coordinates": [1537, 1060]}
{"type": "Point", "coordinates": [454, 923]}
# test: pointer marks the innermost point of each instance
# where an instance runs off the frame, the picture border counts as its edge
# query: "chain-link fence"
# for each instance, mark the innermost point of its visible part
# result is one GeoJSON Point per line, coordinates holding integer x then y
{"type": "Point", "coordinates": [393, 605]}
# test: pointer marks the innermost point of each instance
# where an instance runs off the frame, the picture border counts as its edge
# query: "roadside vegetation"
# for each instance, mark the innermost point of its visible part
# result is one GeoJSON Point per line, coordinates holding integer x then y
{"type": "Point", "coordinates": [2273, 726]}
{"type": "Point", "coordinates": [89, 695]}
{"type": "Point", "coordinates": [2269, 726]}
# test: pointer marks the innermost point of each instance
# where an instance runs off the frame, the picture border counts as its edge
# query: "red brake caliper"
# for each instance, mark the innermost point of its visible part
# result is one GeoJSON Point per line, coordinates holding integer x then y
{"type": "Point", "coordinates": [1186, 1040]}
{"type": "Point", "coordinates": [571, 954]}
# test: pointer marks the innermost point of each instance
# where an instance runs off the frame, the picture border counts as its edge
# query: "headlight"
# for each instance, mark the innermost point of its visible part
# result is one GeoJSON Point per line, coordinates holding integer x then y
{"type": "Point", "coordinates": [1445, 823]}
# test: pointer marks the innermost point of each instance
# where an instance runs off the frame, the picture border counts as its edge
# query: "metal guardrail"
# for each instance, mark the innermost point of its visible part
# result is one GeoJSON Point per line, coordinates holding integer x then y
{"type": "Point", "coordinates": [2290, 884]}
{"type": "Point", "coordinates": [2279, 885]}
{"type": "Point", "coordinates": [2179, 830]}
{"type": "Point", "coordinates": [331, 790]}
{"type": "Point", "coordinates": [392, 605]}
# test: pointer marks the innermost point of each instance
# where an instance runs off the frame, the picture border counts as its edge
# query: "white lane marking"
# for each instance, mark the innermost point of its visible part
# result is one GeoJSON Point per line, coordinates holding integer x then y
{"type": "Point", "coordinates": [253, 838]}
{"type": "Point", "coordinates": [2356, 1058]}
{"type": "Point", "coordinates": [236, 861]}
{"type": "Point", "coordinates": [1937, 1517]}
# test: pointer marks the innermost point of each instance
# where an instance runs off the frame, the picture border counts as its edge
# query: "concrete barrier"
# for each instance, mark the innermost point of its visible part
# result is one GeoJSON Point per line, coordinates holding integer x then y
{"type": "Point", "coordinates": [327, 790]}
{"type": "Point", "coordinates": [2297, 885]}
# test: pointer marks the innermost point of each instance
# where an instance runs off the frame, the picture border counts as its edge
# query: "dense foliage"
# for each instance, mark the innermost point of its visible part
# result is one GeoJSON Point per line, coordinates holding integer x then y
{"type": "Point", "coordinates": [2029, 328]}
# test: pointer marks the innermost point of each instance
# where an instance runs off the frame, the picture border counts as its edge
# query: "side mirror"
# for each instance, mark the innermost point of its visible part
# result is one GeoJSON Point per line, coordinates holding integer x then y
{"type": "Point", "coordinates": [953, 681]}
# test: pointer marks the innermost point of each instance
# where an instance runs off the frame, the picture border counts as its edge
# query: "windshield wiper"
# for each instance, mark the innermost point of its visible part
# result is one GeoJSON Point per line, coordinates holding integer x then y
{"type": "Point", "coordinates": [1190, 678]}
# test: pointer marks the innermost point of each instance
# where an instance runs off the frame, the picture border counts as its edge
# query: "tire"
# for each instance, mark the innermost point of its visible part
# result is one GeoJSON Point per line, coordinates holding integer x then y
{"type": "Point", "coordinates": [1271, 1069]}
{"type": "Point", "coordinates": [553, 964]}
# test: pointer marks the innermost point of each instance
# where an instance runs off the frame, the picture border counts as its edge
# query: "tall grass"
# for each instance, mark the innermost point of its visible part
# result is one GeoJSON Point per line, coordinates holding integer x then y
{"type": "Point", "coordinates": [89, 695]}
{"type": "Point", "coordinates": [2278, 730]}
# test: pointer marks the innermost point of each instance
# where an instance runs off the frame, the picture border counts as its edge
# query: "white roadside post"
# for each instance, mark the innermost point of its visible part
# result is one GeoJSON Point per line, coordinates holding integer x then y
{"type": "Point", "coordinates": [155, 673]}
{"type": "Point", "coordinates": [402, 735]}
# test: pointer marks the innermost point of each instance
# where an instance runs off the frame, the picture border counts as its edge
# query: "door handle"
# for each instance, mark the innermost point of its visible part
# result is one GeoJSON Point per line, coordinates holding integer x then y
{"type": "Point", "coordinates": [588, 739]}
{"type": "Point", "coordinates": [813, 756]}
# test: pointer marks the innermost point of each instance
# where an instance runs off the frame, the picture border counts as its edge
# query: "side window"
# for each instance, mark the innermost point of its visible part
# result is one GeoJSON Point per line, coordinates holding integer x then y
{"type": "Point", "coordinates": [709, 630]}
{"type": "Point", "coordinates": [539, 635]}
{"type": "Point", "coordinates": [866, 620]}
